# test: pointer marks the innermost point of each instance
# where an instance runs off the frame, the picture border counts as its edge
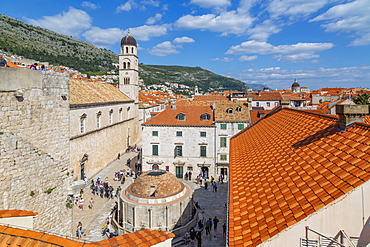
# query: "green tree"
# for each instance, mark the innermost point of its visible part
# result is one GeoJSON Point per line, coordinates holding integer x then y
{"type": "Point", "coordinates": [362, 99]}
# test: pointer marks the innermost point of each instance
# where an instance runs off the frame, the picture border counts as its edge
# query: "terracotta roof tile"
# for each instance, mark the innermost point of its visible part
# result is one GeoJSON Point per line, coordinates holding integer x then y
{"type": "Point", "coordinates": [16, 213]}
{"type": "Point", "coordinates": [192, 116]}
{"type": "Point", "coordinates": [289, 165]}
{"type": "Point", "coordinates": [9, 236]}
{"type": "Point", "coordinates": [85, 92]}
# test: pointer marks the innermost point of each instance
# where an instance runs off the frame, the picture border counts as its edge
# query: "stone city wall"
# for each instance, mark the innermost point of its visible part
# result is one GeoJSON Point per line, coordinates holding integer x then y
{"type": "Point", "coordinates": [34, 146]}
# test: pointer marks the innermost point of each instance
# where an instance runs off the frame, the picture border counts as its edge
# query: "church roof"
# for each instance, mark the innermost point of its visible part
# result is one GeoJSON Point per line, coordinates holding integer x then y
{"type": "Point", "coordinates": [289, 165]}
{"type": "Point", "coordinates": [86, 92]}
{"type": "Point", "coordinates": [128, 40]}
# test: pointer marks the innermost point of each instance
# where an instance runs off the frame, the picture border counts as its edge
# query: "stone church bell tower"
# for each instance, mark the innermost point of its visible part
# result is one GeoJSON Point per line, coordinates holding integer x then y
{"type": "Point", "coordinates": [129, 67]}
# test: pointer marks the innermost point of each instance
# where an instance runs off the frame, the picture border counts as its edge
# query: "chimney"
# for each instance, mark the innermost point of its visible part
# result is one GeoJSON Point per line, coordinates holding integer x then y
{"type": "Point", "coordinates": [173, 107]}
{"type": "Point", "coordinates": [351, 113]}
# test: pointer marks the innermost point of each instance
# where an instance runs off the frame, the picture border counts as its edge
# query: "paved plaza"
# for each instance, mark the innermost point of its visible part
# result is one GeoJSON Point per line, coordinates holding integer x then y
{"type": "Point", "coordinates": [211, 203]}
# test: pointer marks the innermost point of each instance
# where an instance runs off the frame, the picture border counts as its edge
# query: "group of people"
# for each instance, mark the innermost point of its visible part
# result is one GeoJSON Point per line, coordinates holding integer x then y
{"type": "Point", "coordinates": [103, 189]}
{"type": "Point", "coordinates": [195, 234]}
{"type": "Point", "coordinates": [35, 67]}
{"type": "Point", "coordinates": [188, 175]}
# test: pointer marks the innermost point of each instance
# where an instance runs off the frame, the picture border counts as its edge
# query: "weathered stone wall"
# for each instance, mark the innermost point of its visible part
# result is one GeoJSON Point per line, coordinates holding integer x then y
{"type": "Point", "coordinates": [34, 146]}
{"type": "Point", "coordinates": [103, 144]}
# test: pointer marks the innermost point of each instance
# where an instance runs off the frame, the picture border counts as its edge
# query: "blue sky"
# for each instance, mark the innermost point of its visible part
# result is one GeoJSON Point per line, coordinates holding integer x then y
{"type": "Point", "coordinates": [322, 43]}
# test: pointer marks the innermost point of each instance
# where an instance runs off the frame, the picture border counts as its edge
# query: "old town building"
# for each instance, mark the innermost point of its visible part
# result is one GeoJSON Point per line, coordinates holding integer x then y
{"type": "Point", "coordinates": [192, 137]}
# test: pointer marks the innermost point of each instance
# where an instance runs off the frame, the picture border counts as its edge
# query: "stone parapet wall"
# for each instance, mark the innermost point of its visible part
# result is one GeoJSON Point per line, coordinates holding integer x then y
{"type": "Point", "coordinates": [34, 147]}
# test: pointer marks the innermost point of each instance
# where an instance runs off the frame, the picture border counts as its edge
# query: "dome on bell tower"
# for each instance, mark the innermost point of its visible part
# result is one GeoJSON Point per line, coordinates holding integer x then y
{"type": "Point", "coordinates": [128, 40]}
{"type": "Point", "coordinates": [295, 84]}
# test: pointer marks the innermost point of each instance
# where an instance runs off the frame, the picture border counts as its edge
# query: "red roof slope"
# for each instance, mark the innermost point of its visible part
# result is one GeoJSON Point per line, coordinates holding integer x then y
{"type": "Point", "coordinates": [16, 213]}
{"type": "Point", "coordinates": [287, 166]}
{"type": "Point", "coordinates": [192, 113]}
{"type": "Point", "coordinates": [10, 236]}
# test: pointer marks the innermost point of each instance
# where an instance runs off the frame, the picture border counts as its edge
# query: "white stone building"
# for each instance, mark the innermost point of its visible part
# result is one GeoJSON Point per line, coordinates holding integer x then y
{"type": "Point", "coordinates": [193, 139]}
{"type": "Point", "coordinates": [104, 120]}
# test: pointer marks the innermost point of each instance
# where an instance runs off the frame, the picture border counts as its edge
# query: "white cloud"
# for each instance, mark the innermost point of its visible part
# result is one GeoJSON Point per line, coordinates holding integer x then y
{"type": "Point", "coordinates": [211, 3]}
{"type": "Point", "coordinates": [270, 69]}
{"type": "Point", "coordinates": [150, 2]}
{"type": "Point", "coordinates": [227, 22]}
{"type": "Point", "coordinates": [89, 5]}
{"type": "Point", "coordinates": [131, 4]}
{"type": "Point", "coordinates": [294, 8]}
{"type": "Point", "coordinates": [246, 5]}
{"type": "Point", "coordinates": [313, 78]}
{"type": "Point", "coordinates": [144, 33]}
{"type": "Point", "coordinates": [73, 22]}
{"type": "Point", "coordinates": [103, 37]}
{"type": "Point", "coordinates": [349, 17]}
{"type": "Point", "coordinates": [164, 49]}
{"type": "Point", "coordinates": [225, 59]}
{"type": "Point", "coordinates": [127, 6]}
{"type": "Point", "coordinates": [247, 58]}
{"type": "Point", "coordinates": [183, 40]}
{"type": "Point", "coordinates": [154, 19]}
{"type": "Point", "coordinates": [296, 52]}
{"type": "Point", "coordinates": [263, 31]}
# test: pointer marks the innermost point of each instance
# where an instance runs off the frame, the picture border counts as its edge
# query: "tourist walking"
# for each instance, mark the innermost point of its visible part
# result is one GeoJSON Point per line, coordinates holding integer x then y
{"type": "Point", "coordinates": [91, 203]}
{"type": "Point", "coordinates": [79, 230]}
{"type": "Point", "coordinates": [215, 222]}
{"type": "Point", "coordinates": [199, 239]}
{"type": "Point", "coordinates": [224, 229]}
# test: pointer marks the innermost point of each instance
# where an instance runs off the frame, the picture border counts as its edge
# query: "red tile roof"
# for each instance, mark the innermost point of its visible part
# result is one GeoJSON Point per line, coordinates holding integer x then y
{"type": "Point", "coordinates": [85, 92]}
{"type": "Point", "coordinates": [287, 166]}
{"type": "Point", "coordinates": [10, 236]}
{"type": "Point", "coordinates": [16, 213]}
{"type": "Point", "coordinates": [192, 113]}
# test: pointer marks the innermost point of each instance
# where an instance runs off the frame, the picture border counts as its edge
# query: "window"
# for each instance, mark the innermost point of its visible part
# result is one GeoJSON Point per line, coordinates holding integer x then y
{"type": "Point", "coordinates": [268, 104]}
{"type": "Point", "coordinates": [178, 151]}
{"type": "Point", "coordinates": [223, 157]}
{"type": "Point", "coordinates": [120, 114]}
{"type": "Point", "coordinates": [181, 117]}
{"type": "Point", "coordinates": [82, 125]}
{"type": "Point", "coordinates": [178, 133]}
{"type": "Point", "coordinates": [240, 126]}
{"type": "Point", "coordinates": [98, 118]}
{"type": "Point", "coordinates": [223, 126]}
{"type": "Point", "coordinates": [203, 134]}
{"type": "Point", "coordinates": [154, 149]}
{"type": "Point", "coordinates": [229, 111]}
{"type": "Point", "coordinates": [238, 109]}
{"type": "Point", "coordinates": [203, 151]}
{"type": "Point", "coordinates": [110, 116]}
{"type": "Point", "coordinates": [257, 103]}
{"type": "Point", "coordinates": [223, 143]}
{"type": "Point", "coordinates": [205, 116]}
{"type": "Point", "coordinates": [154, 133]}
